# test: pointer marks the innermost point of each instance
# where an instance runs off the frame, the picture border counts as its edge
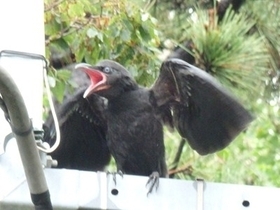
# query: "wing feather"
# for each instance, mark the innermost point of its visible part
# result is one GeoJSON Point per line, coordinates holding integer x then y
{"type": "Point", "coordinates": [204, 112]}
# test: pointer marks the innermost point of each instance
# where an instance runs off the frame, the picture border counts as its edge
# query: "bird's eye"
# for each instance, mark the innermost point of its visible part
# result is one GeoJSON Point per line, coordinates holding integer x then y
{"type": "Point", "coordinates": [107, 70]}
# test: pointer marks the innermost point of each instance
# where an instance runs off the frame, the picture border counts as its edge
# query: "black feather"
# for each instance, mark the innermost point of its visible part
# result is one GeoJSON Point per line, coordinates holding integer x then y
{"type": "Point", "coordinates": [83, 129]}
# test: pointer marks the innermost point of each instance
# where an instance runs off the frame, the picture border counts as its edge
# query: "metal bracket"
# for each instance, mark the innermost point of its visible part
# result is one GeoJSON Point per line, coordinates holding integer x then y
{"type": "Point", "coordinates": [200, 184]}
{"type": "Point", "coordinates": [12, 53]}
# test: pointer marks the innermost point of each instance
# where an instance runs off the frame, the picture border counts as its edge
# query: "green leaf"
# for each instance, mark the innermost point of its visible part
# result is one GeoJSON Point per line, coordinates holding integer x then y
{"type": "Point", "coordinates": [100, 36]}
{"type": "Point", "coordinates": [52, 81]}
{"type": "Point", "coordinates": [92, 32]}
{"type": "Point", "coordinates": [58, 91]}
{"type": "Point", "coordinates": [125, 35]}
{"type": "Point", "coordinates": [63, 75]}
{"type": "Point", "coordinates": [128, 24]}
{"type": "Point", "coordinates": [75, 10]}
{"type": "Point", "coordinates": [144, 34]}
{"type": "Point", "coordinates": [59, 46]}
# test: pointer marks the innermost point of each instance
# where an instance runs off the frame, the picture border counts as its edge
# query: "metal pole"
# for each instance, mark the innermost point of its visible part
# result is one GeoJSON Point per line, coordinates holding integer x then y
{"type": "Point", "coordinates": [23, 132]}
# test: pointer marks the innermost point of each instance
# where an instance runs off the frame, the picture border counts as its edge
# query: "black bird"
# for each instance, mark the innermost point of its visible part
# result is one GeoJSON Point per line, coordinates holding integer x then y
{"type": "Point", "coordinates": [82, 126]}
{"type": "Point", "coordinates": [183, 96]}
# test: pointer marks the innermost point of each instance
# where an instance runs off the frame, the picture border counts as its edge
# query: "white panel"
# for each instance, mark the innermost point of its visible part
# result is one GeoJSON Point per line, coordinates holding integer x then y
{"type": "Point", "coordinates": [72, 189]}
{"type": "Point", "coordinates": [22, 29]}
{"type": "Point", "coordinates": [22, 26]}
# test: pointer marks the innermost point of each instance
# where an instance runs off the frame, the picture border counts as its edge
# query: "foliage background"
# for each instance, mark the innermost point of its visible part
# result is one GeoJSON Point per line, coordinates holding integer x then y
{"type": "Point", "coordinates": [241, 51]}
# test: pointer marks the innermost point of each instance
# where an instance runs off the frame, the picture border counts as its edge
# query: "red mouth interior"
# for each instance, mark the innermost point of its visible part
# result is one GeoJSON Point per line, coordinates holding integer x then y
{"type": "Point", "coordinates": [98, 80]}
{"type": "Point", "coordinates": [95, 76]}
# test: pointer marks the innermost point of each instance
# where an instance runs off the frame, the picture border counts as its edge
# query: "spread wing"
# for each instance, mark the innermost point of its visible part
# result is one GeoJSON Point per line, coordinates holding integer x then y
{"type": "Point", "coordinates": [203, 111]}
{"type": "Point", "coordinates": [83, 129]}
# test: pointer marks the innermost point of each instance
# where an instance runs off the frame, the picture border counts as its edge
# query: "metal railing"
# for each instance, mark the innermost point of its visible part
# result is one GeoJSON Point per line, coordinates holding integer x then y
{"type": "Point", "coordinates": [17, 116]}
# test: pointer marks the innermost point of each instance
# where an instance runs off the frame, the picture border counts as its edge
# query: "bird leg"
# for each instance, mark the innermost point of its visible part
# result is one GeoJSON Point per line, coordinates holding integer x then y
{"type": "Point", "coordinates": [177, 157]}
{"type": "Point", "coordinates": [114, 174]}
{"type": "Point", "coordinates": [153, 181]}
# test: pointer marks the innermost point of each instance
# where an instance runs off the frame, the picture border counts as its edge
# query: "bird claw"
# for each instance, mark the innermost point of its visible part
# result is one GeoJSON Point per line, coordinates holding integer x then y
{"type": "Point", "coordinates": [114, 174]}
{"type": "Point", "coordinates": [153, 181]}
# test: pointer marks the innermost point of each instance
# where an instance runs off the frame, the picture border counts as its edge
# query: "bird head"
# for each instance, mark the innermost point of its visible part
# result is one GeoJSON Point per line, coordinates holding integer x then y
{"type": "Point", "coordinates": [108, 79]}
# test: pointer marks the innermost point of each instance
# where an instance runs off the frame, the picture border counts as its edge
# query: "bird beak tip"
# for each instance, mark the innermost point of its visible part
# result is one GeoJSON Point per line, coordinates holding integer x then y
{"type": "Point", "coordinates": [86, 93]}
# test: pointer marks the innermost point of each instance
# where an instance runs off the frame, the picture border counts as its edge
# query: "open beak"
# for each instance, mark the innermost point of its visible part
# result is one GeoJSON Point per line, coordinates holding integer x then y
{"type": "Point", "coordinates": [97, 78]}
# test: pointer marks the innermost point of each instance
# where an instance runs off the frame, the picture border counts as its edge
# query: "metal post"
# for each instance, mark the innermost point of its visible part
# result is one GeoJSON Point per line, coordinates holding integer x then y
{"type": "Point", "coordinates": [23, 130]}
